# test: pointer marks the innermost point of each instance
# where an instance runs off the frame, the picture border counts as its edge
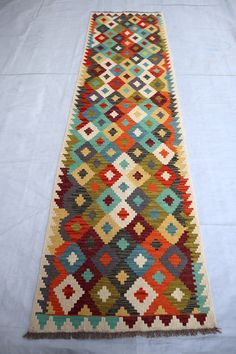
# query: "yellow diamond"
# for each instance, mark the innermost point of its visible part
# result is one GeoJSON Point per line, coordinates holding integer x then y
{"type": "Point", "coordinates": [85, 151]}
{"type": "Point", "coordinates": [122, 276]}
{"type": "Point", "coordinates": [80, 200]}
{"type": "Point", "coordinates": [139, 228]}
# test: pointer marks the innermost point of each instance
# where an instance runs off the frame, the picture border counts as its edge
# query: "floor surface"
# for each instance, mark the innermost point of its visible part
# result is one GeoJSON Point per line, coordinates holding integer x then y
{"type": "Point", "coordinates": [41, 46]}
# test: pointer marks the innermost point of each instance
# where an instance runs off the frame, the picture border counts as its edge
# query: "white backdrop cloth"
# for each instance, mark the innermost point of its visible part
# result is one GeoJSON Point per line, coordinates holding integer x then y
{"type": "Point", "coordinates": [42, 42]}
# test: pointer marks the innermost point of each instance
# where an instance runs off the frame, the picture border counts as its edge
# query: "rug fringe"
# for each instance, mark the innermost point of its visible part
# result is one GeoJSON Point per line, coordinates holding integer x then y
{"type": "Point", "coordinates": [107, 335]}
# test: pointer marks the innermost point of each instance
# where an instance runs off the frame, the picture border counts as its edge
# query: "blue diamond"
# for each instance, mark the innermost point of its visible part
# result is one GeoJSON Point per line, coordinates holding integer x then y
{"type": "Point", "coordinates": [139, 260]}
{"type": "Point", "coordinates": [107, 228]}
{"type": "Point", "coordinates": [123, 187]}
{"type": "Point", "coordinates": [171, 229]}
{"type": "Point", "coordinates": [154, 214]}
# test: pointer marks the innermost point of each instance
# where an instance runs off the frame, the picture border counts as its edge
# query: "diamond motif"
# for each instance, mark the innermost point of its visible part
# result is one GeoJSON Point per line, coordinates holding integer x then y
{"type": "Point", "coordinates": [171, 229]}
{"type": "Point", "coordinates": [139, 260]}
{"type": "Point", "coordinates": [106, 228]}
{"type": "Point", "coordinates": [138, 200]}
{"type": "Point", "coordinates": [104, 294]}
{"type": "Point", "coordinates": [168, 200]}
{"type": "Point", "coordinates": [137, 114]}
{"type": "Point", "coordinates": [68, 293]}
{"type": "Point", "coordinates": [72, 258]}
{"type": "Point", "coordinates": [108, 200]}
{"type": "Point", "coordinates": [123, 214]}
{"type": "Point", "coordinates": [105, 260]}
{"type": "Point", "coordinates": [164, 154]}
{"type": "Point", "coordinates": [174, 260]}
{"type": "Point", "coordinates": [141, 295]}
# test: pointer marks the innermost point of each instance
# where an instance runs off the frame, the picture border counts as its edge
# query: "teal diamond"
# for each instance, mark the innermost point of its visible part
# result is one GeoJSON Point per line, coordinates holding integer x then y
{"type": "Point", "coordinates": [154, 214]}
{"type": "Point", "coordinates": [159, 277]}
{"type": "Point", "coordinates": [171, 229]}
{"type": "Point", "coordinates": [108, 200]}
{"type": "Point", "coordinates": [78, 258]}
{"type": "Point", "coordinates": [125, 122]}
{"type": "Point", "coordinates": [168, 200]}
{"type": "Point", "coordinates": [87, 275]}
{"type": "Point", "coordinates": [123, 243]}
{"type": "Point", "coordinates": [138, 200]}
{"type": "Point", "coordinates": [124, 164]}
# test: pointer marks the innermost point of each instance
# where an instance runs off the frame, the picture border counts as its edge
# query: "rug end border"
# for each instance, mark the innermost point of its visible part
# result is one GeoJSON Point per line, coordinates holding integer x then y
{"type": "Point", "coordinates": [113, 335]}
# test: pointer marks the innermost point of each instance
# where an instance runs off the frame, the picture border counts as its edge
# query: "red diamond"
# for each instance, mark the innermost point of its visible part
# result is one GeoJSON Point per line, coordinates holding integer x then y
{"type": "Point", "coordinates": [138, 175]}
{"type": "Point", "coordinates": [116, 83]}
{"type": "Point", "coordinates": [68, 291]}
{"type": "Point", "coordinates": [165, 175]}
{"type": "Point", "coordinates": [99, 141]}
{"type": "Point", "coordinates": [148, 106]}
{"type": "Point", "coordinates": [168, 200]}
{"type": "Point", "coordinates": [88, 131]}
{"type": "Point", "coordinates": [108, 200]}
{"type": "Point", "coordinates": [150, 142]}
{"type": "Point", "coordinates": [140, 294]}
{"type": "Point", "coordinates": [123, 214]}
{"type": "Point", "coordinates": [109, 175]}
{"type": "Point", "coordinates": [103, 105]}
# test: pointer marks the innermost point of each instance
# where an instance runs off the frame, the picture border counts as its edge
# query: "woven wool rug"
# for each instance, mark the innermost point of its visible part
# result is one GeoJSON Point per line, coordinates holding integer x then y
{"type": "Point", "coordinates": [122, 254]}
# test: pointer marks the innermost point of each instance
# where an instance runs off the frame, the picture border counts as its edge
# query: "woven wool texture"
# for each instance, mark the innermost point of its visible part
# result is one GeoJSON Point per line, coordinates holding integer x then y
{"type": "Point", "coordinates": [122, 253]}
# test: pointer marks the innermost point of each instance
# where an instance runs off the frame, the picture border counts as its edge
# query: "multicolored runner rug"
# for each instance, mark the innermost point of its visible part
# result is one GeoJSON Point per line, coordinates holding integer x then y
{"type": "Point", "coordinates": [122, 254]}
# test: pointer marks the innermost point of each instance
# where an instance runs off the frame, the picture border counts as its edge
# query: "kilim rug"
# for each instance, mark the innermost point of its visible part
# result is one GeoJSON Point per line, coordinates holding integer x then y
{"type": "Point", "coordinates": [122, 254]}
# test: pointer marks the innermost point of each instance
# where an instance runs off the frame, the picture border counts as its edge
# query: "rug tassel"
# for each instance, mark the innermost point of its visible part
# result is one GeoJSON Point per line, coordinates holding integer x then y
{"type": "Point", "coordinates": [97, 335]}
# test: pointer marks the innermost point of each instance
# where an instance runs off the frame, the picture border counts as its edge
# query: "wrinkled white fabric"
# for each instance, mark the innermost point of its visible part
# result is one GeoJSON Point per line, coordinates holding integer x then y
{"type": "Point", "coordinates": [42, 42]}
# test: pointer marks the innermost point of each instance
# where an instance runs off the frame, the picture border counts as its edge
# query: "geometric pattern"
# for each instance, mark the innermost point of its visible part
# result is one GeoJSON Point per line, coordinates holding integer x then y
{"type": "Point", "coordinates": [122, 252]}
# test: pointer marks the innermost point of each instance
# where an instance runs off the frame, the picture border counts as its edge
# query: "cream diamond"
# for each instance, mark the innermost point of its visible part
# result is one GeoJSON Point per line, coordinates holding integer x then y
{"type": "Point", "coordinates": [105, 90]}
{"type": "Point", "coordinates": [89, 131]}
{"type": "Point", "coordinates": [148, 295]}
{"type": "Point", "coordinates": [123, 187]}
{"type": "Point", "coordinates": [137, 132]}
{"type": "Point", "coordinates": [145, 64]}
{"type": "Point", "coordinates": [72, 258]}
{"type": "Point", "coordinates": [177, 294]}
{"type": "Point", "coordinates": [164, 154]}
{"type": "Point", "coordinates": [147, 91]}
{"type": "Point", "coordinates": [137, 114]}
{"type": "Point", "coordinates": [165, 175]}
{"type": "Point", "coordinates": [124, 164]}
{"type": "Point", "coordinates": [140, 260]}
{"type": "Point", "coordinates": [123, 214]}
{"type": "Point", "coordinates": [68, 293]}
{"type": "Point", "coordinates": [109, 175]}
{"type": "Point", "coordinates": [104, 293]}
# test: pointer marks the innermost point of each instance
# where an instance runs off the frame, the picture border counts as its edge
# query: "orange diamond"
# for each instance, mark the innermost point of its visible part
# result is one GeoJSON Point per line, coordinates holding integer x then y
{"type": "Point", "coordinates": [105, 259]}
{"type": "Point", "coordinates": [175, 260]}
